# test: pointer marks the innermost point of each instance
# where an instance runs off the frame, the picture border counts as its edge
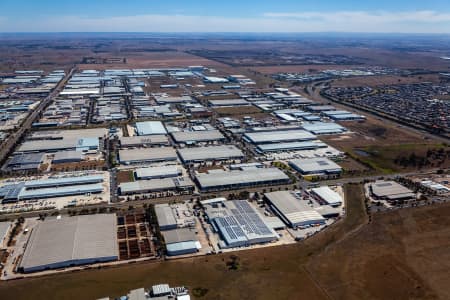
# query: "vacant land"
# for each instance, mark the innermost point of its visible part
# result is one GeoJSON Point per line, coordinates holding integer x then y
{"type": "Point", "coordinates": [400, 255]}
{"type": "Point", "coordinates": [125, 176]}
{"type": "Point", "coordinates": [404, 157]}
{"type": "Point", "coordinates": [301, 68]}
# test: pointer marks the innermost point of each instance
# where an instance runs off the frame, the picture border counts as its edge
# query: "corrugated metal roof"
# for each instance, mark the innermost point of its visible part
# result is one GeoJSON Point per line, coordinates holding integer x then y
{"type": "Point", "coordinates": [210, 153]}
{"type": "Point", "coordinates": [328, 195]}
{"type": "Point", "coordinates": [150, 128]}
{"type": "Point", "coordinates": [71, 240]}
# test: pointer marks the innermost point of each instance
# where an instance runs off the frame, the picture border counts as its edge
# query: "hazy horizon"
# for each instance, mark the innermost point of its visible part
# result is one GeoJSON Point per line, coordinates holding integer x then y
{"type": "Point", "coordinates": [414, 17]}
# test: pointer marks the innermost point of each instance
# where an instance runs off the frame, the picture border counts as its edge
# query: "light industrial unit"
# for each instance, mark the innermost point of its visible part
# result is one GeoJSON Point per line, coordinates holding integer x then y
{"type": "Point", "coordinates": [292, 210]}
{"type": "Point", "coordinates": [158, 172]}
{"type": "Point", "coordinates": [156, 185]}
{"type": "Point", "coordinates": [268, 137]}
{"type": "Point", "coordinates": [216, 180]}
{"type": "Point", "coordinates": [52, 187]}
{"type": "Point", "coordinates": [150, 128]}
{"type": "Point", "coordinates": [141, 141]}
{"type": "Point", "coordinates": [181, 241]}
{"type": "Point", "coordinates": [134, 156]}
{"type": "Point", "coordinates": [165, 217]}
{"type": "Point", "coordinates": [292, 146]}
{"type": "Point", "coordinates": [315, 166]}
{"type": "Point", "coordinates": [191, 137]}
{"type": "Point", "coordinates": [238, 224]}
{"type": "Point", "coordinates": [326, 195]}
{"type": "Point", "coordinates": [324, 128]}
{"type": "Point", "coordinates": [390, 190]}
{"type": "Point", "coordinates": [201, 154]}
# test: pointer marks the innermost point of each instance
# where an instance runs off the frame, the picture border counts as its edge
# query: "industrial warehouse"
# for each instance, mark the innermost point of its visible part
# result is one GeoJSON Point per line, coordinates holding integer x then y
{"type": "Point", "coordinates": [216, 153]}
{"type": "Point", "coordinates": [181, 241]}
{"type": "Point", "coordinates": [179, 184]}
{"type": "Point", "coordinates": [150, 128]}
{"type": "Point", "coordinates": [70, 241]}
{"type": "Point", "coordinates": [316, 167]}
{"type": "Point", "coordinates": [143, 141]}
{"type": "Point", "coordinates": [294, 211]}
{"type": "Point", "coordinates": [147, 155]}
{"type": "Point", "coordinates": [51, 141]}
{"type": "Point", "coordinates": [158, 172]}
{"type": "Point", "coordinates": [278, 136]}
{"type": "Point", "coordinates": [238, 224]}
{"type": "Point", "coordinates": [390, 191]}
{"type": "Point", "coordinates": [192, 137]}
{"type": "Point", "coordinates": [216, 180]}
{"type": "Point", "coordinates": [52, 188]}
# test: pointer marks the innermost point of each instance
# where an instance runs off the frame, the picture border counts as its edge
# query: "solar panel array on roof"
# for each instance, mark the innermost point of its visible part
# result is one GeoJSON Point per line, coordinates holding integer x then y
{"type": "Point", "coordinates": [239, 224]}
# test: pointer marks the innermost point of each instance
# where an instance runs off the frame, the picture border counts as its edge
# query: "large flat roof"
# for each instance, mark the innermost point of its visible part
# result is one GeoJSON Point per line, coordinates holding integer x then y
{"type": "Point", "coordinates": [229, 102]}
{"type": "Point", "coordinates": [292, 209]}
{"type": "Point", "coordinates": [158, 172]}
{"type": "Point", "coordinates": [240, 223]}
{"type": "Point", "coordinates": [390, 190]}
{"type": "Point", "coordinates": [150, 128]}
{"type": "Point", "coordinates": [179, 235]}
{"type": "Point", "coordinates": [315, 165]}
{"type": "Point", "coordinates": [324, 128]}
{"type": "Point", "coordinates": [279, 136]}
{"type": "Point", "coordinates": [165, 216]}
{"type": "Point", "coordinates": [143, 186]}
{"type": "Point", "coordinates": [52, 192]}
{"type": "Point", "coordinates": [197, 136]}
{"type": "Point", "coordinates": [307, 145]}
{"type": "Point", "coordinates": [328, 195]}
{"type": "Point", "coordinates": [71, 240]}
{"type": "Point", "coordinates": [147, 154]}
{"type": "Point", "coordinates": [221, 152]}
{"type": "Point", "coordinates": [53, 140]}
{"type": "Point", "coordinates": [221, 178]}
{"type": "Point", "coordinates": [127, 141]}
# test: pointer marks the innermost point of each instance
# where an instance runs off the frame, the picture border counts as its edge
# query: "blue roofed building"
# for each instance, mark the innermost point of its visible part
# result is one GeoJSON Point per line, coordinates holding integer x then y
{"type": "Point", "coordinates": [86, 144]}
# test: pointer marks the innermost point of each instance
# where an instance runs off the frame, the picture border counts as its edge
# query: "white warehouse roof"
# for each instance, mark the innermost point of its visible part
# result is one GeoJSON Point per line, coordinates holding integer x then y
{"type": "Point", "coordinates": [328, 195]}
{"type": "Point", "coordinates": [69, 241]}
{"type": "Point", "coordinates": [291, 210]}
{"type": "Point", "coordinates": [222, 152]}
{"type": "Point", "coordinates": [150, 128]}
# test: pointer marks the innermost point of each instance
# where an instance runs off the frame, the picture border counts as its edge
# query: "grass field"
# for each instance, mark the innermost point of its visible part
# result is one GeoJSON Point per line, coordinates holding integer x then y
{"type": "Point", "coordinates": [386, 159]}
{"type": "Point", "coordinates": [399, 255]}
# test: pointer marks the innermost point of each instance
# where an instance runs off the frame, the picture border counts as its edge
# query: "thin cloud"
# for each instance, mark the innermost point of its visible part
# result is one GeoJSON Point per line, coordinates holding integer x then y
{"type": "Point", "coordinates": [351, 21]}
{"type": "Point", "coordinates": [424, 16]}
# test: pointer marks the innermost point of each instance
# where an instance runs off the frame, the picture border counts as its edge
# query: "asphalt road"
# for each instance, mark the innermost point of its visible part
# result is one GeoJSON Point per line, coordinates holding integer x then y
{"type": "Point", "coordinates": [12, 140]}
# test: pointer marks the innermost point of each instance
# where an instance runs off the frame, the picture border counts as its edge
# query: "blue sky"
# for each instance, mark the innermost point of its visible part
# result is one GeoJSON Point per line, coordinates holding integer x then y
{"type": "Point", "coordinates": [425, 16]}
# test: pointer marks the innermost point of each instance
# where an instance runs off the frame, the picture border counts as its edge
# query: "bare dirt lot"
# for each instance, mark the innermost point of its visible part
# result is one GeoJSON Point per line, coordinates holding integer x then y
{"type": "Point", "coordinates": [301, 68]}
{"type": "Point", "coordinates": [400, 255]}
{"type": "Point", "coordinates": [164, 59]}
